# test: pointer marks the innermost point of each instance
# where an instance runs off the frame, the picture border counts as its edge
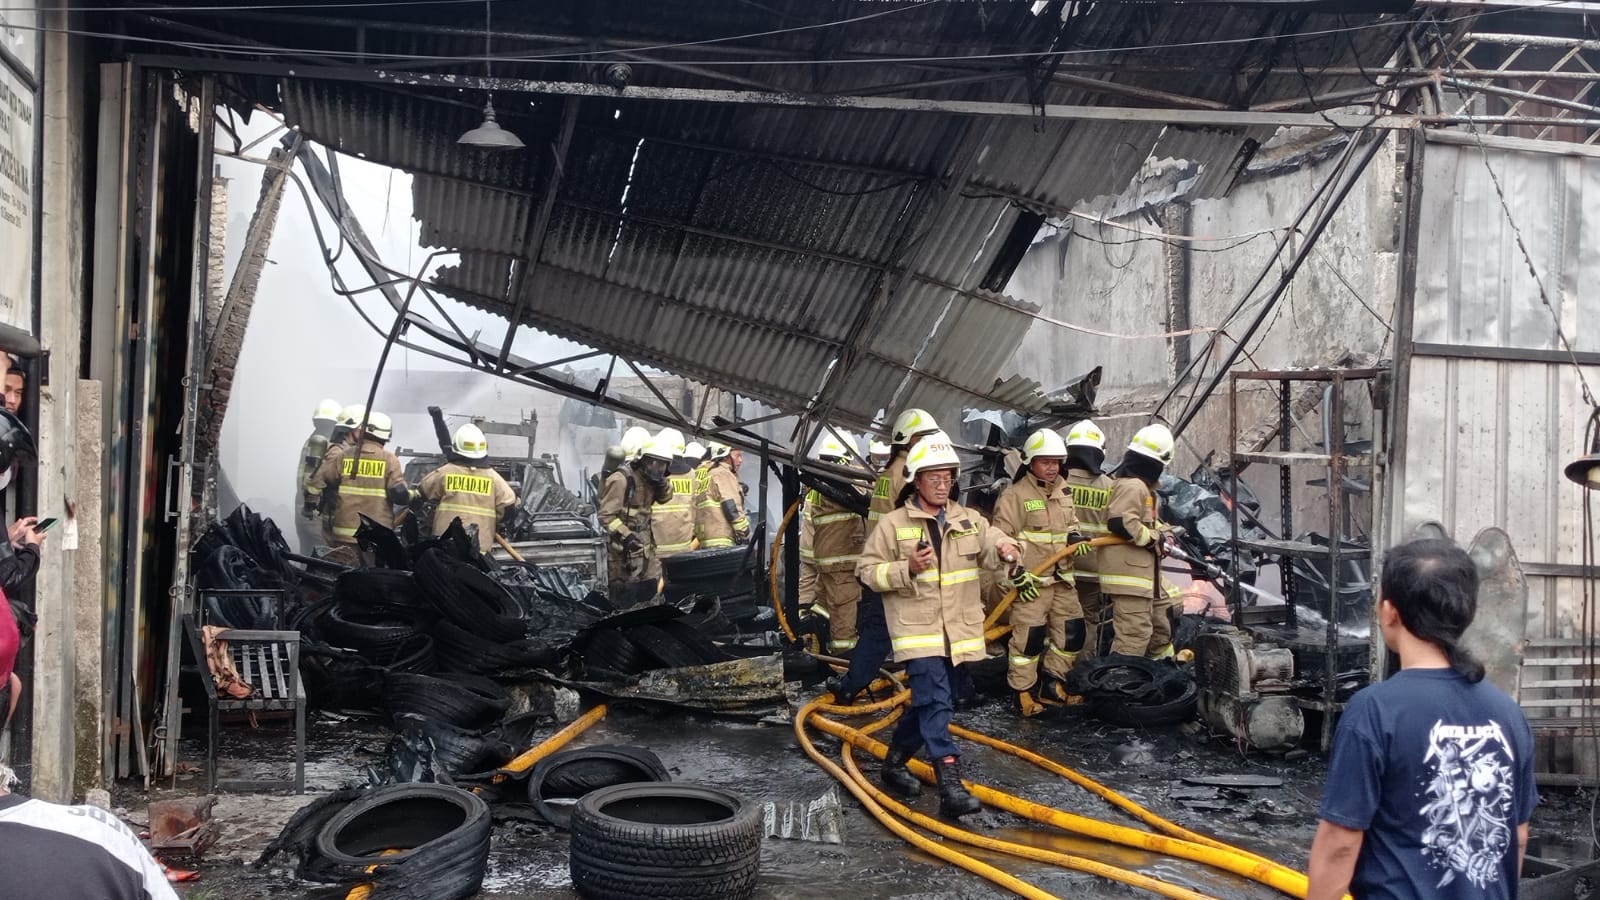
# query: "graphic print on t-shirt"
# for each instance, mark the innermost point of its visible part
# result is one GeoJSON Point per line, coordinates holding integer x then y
{"type": "Point", "coordinates": [1468, 788]}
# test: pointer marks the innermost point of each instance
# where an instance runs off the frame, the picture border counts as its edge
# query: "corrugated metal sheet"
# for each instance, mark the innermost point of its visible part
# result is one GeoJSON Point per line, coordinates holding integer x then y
{"type": "Point", "coordinates": [1486, 439]}
{"type": "Point", "coordinates": [738, 244]}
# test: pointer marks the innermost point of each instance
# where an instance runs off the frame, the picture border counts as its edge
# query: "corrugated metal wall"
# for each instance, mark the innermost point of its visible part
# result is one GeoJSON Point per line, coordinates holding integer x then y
{"type": "Point", "coordinates": [1494, 408]}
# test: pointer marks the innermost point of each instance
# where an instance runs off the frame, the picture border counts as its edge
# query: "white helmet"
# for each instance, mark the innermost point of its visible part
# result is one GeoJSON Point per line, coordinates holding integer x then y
{"type": "Point", "coordinates": [1154, 441]}
{"type": "Point", "coordinates": [672, 437]}
{"type": "Point", "coordinates": [911, 423]}
{"type": "Point", "coordinates": [1086, 434]}
{"type": "Point", "coordinates": [718, 450]}
{"type": "Point", "coordinates": [934, 452]}
{"type": "Point", "coordinates": [664, 446]}
{"type": "Point", "coordinates": [834, 446]}
{"type": "Point", "coordinates": [378, 426]}
{"type": "Point", "coordinates": [351, 415]}
{"type": "Point", "coordinates": [327, 411]}
{"type": "Point", "coordinates": [469, 442]}
{"type": "Point", "coordinates": [1043, 444]}
{"type": "Point", "coordinates": [633, 441]}
{"type": "Point", "coordinates": [878, 448]}
{"type": "Point", "coordinates": [694, 450]}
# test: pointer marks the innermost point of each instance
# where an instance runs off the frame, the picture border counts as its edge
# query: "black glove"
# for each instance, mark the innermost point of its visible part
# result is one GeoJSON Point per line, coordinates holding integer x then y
{"type": "Point", "coordinates": [308, 509]}
{"type": "Point", "coordinates": [631, 544]}
{"type": "Point", "coordinates": [1078, 537]}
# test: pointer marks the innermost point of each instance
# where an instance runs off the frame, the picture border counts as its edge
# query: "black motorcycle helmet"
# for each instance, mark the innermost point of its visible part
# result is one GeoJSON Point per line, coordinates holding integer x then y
{"type": "Point", "coordinates": [16, 442]}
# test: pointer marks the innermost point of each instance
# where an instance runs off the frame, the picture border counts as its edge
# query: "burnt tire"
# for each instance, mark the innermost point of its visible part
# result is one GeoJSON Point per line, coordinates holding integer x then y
{"type": "Point", "coordinates": [609, 649]}
{"type": "Point", "coordinates": [1178, 704]}
{"type": "Point", "coordinates": [466, 701]}
{"type": "Point", "coordinates": [441, 833]}
{"type": "Point", "coordinates": [661, 649]}
{"type": "Point", "coordinates": [665, 842]}
{"type": "Point", "coordinates": [704, 649]}
{"type": "Point", "coordinates": [572, 774]}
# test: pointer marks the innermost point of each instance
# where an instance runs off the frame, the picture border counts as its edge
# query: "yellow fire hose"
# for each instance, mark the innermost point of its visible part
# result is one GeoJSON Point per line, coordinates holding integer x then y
{"type": "Point", "coordinates": [1040, 569]}
{"type": "Point", "coordinates": [1024, 851]}
{"type": "Point", "coordinates": [1094, 787]}
{"type": "Point", "coordinates": [904, 832]}
{"type": "Point", "coordinates": [1270, 874]}
{"type": "Point", "coordinates": [772, 570]}
{"type": "Point", "coordinates": [551, 744]}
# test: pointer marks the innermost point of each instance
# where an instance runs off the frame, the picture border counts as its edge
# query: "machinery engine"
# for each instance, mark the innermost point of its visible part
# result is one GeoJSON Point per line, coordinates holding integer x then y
{"type": "Point", "coordinates": [1244, 690]}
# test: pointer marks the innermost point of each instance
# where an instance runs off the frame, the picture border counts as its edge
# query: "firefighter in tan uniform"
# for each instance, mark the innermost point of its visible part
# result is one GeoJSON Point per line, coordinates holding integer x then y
{"type": "Point", "coordinates": [924, 558]}
{"type": "Point", "coordinates": [672, 520]}
{"type": "Point", "coordinates": [720, 515]}
{"type": "Point", "coordinates": [366, 478]}
{"type": "Point", "coordinates": [836, 535]}
{"type": "Point", "coordinates": [1130, 573]}
{"type": "Point", "coordinates": [872, 635]}
{"type": "Point", "coordinates": [323, 421]}
{"type": "Point", "coordinates": [1091, 492]}
{"type": "Point", "coordinates": [477, 495]}
{"type": "Point", "coordinates": [1046, 619]}
{"type": "Point", "coordinates": [626, 505]}
{"type": "Point", "coordinates": [322, 502]}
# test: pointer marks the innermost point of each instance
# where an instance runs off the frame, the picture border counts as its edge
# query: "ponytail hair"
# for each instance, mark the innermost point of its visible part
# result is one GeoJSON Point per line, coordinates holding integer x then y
{"type": "Point", "coordinates": [1433, 585]}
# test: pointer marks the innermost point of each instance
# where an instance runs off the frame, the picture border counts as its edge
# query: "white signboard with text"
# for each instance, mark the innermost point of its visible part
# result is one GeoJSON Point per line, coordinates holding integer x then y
{"type": "Point", "coordinates": [18, 20]}
{"type": "Point", "coordinates": [18, 165]}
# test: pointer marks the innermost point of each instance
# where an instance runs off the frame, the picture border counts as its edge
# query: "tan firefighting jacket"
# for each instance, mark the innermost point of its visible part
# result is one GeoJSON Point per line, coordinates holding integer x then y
{"type": "Point", "coordinates": [939, 611]}
{"type": "Point", "coordinates": [886, 493]}
{"type": "Point", "coordinates": [362, 479]}
{"type": "Point", "coordinates": [311, 454]}
{"type": "Point", "coordinates": [626, 503]}
{"type": "Point", "coordinates": [475, 494]}
{"type": "Point", "coordinates": [1040, 517]}
{"type": "Point", "coordinates": [672, 520]}
{"type": "Point", "coordinates": [836, 534]}
{"type": "Point", "coordinates": [1131, 569]}
{"type": "Point", "coordinates": [1090, 496]}
{"type": "Point", "coordinates": [716, 529]}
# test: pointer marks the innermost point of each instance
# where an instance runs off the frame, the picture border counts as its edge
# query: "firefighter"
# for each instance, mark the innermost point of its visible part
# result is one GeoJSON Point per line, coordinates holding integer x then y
{"type": "Point", "coordinates": [1046, 620]}
{"type": "Point", "coordinates": [878, 454]}
{"type": "Point", "coordinates": [872, 634]}
{"type": "Point", "coordinates": [672, 520]}
{"type": "Point", "coordinates": [720, 516]}
{"type": "Point", "coordinates": [828, 559]}
{"type": "Point", "coordinates": [366, 478]}
{"type": "Point", "coordinates": [323, 421]}
{"type": "Point", "coordinates": [323, 502]}
{"type": "Point", "coordinates": [923, 558]}
{"type": "Point", "coordinates": [1130, 573]}
{"type": "Point", "coordinates": [626, 506]}
{"type": "Point", "coordinates": [1091, 491]}
{"type": "Point", "coordinates": [475, 494]}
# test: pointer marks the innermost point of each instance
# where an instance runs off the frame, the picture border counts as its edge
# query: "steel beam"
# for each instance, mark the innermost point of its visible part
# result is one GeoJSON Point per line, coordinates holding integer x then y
{"type": "Point", "coordinates": [538, 224]}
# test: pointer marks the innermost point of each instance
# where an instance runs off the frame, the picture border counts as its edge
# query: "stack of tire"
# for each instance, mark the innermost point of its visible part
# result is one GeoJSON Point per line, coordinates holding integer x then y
{"type": "Point", "coordinates": [630, 643]}
{"type": "Point", "coordinates": [665, 842]}
{"type": "Point", "coordinates": [724, 575]}
{"type": "Point", "coordinates": [1134, 692]}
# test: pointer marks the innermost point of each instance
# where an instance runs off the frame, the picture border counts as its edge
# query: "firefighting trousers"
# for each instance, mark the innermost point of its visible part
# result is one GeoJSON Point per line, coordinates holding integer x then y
{"type": "Point", "coordinates": [932, 703]}
{"type": "Point", "coordinates": [1039, 632]}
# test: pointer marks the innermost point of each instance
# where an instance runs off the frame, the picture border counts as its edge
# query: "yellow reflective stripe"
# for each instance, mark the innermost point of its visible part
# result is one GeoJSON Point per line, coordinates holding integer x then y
{"type": "Point", "coordinates": [1085, 574]}
{"type": "Point", "coordinates": [1023, 660]}
{"type": "Point", "coordinates": [1145, 536]}
{"type": "Point", "coordinates": [1127, 581]}
{"type": "Point", "coordinates": [960, 576]}
{"type": "Point", "coordinates": [849, 644]}
{"type": "Point", "coordinates": [880, 577]}
{"type": "Point", "coordinates": [817, 609]}
{"type": "Point", "coordinates": [710, 504]}
{"type": "Point", "coordinates": [617, 525]}
{"type": "Point", "coordinates": [831, 518]}
{"type": "Point", "coordinates": [830, 560]}
{"type": "Point", "coordinates": [344, 532]}
{"type": "Point", "coordinates": [352, 491]}
{"type": "Point", "coordinates": [1171, 590]}
{"type": "Point", "coordinates": [710, 543]}
{"type": "Point", "coordinates": [808, 553]}
{"type": "Point", "coordinates": [1064, 654]}
{"type": "Point", "coordinates": [675, 548]}
{"type": "Point", "coordinates": [1166, 652]}
{"type": "Point", "coordinates": [968, 645]}
{"type": "Point", "coordinates": [464, 508]}
{"type": "Point", "coordinates": [1093, 528]}
{"type": "Point", "coordinates": [873, 515]}
{"type": "Point", "coordinates": [741, 523]}
{"type": "Point", "coordinates": [674, 506]}
{"type": "Point", "coordinates": [1045, 537]}
{"type": "Point", "coordinates": [918, 641]}
{"type": "Point", "coordinates": [928, 575]}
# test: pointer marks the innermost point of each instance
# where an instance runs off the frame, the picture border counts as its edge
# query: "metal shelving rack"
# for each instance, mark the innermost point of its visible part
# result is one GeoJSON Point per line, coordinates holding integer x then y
{"type": "Point", "coordinates": [1285, 550]}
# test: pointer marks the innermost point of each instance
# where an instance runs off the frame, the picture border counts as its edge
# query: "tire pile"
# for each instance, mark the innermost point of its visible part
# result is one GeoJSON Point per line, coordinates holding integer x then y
{"type": "Point", "coordinates": [1134, 692]}
{"type": "Point", "coordinates": [719, 586]}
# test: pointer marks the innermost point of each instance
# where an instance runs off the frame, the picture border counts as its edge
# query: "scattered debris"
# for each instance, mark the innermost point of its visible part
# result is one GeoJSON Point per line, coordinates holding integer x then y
{"type": "Point", "coordinates": [820, 820]}
{"type": "Point", "coordinates": [1235, 781]}
{"type": "Point", "coordinates": [183, 828]}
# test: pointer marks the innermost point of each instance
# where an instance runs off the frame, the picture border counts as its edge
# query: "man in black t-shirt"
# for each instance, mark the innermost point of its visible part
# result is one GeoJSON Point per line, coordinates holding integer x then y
{"type": "Point", "coordinates": [1430, 785]}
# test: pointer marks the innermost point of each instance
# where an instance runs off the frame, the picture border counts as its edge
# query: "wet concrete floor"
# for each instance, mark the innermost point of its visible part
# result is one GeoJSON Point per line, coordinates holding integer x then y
{"type": "Point", "coordinates": [763, 762]}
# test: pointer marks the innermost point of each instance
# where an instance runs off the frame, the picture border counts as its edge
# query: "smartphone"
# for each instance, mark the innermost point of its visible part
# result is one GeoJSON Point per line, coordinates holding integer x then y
{"type": "Point", "coordinates": [45, 524]}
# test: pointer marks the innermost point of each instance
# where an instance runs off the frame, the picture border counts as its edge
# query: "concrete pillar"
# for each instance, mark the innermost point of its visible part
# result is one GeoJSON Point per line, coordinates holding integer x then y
{"type": "Point", "coordinates": [61, 302]}
{"type": "Point", "coordinates": [89, 613]}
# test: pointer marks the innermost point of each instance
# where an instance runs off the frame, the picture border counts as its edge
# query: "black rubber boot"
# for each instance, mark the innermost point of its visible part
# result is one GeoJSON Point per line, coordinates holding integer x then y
{"type": "Point", "coordinates": [896, 777]}
{"type": "Point", "coordinates": [954, 800]}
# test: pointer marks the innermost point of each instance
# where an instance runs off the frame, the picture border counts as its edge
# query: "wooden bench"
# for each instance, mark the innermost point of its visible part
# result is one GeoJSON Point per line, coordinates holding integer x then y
{"type": "Point", "coordinates": [1557, 685]}
{"type": "Point", "coordinates": [269, 661]}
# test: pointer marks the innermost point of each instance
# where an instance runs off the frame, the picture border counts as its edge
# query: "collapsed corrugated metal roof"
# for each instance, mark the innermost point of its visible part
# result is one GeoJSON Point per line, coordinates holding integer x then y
{"type": "Point", "coordinates": [835, 261]}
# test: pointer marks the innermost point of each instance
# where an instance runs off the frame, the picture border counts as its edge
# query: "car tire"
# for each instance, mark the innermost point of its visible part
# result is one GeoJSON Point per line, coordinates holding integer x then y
{"type": "Point", "coordinates": [662, 650]}
{"type": "Point", "coordinates": [573, 774]}
{"type": "Point", "coordinates": [1178, 706]}
{"type": "Point", "coordinates": [665, 842]}
{"type": "Point", "coordinates": [441, 833]}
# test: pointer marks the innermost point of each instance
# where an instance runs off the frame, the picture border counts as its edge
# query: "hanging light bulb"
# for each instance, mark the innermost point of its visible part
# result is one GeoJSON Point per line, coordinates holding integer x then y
{"type": "Point", "coordinates": [489, 135]}
{"type": "Point", "coordinates": [1585, 470]}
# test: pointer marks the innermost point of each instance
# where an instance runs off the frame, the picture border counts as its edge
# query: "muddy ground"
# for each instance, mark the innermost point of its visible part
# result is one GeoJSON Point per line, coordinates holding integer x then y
{"type": "Point", "coordinates": [763, 762]}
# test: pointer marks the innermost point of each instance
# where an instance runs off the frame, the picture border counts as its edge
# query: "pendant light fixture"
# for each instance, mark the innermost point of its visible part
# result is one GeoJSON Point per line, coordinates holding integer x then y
{"type": "Point", "coordinates": [489, 135]}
